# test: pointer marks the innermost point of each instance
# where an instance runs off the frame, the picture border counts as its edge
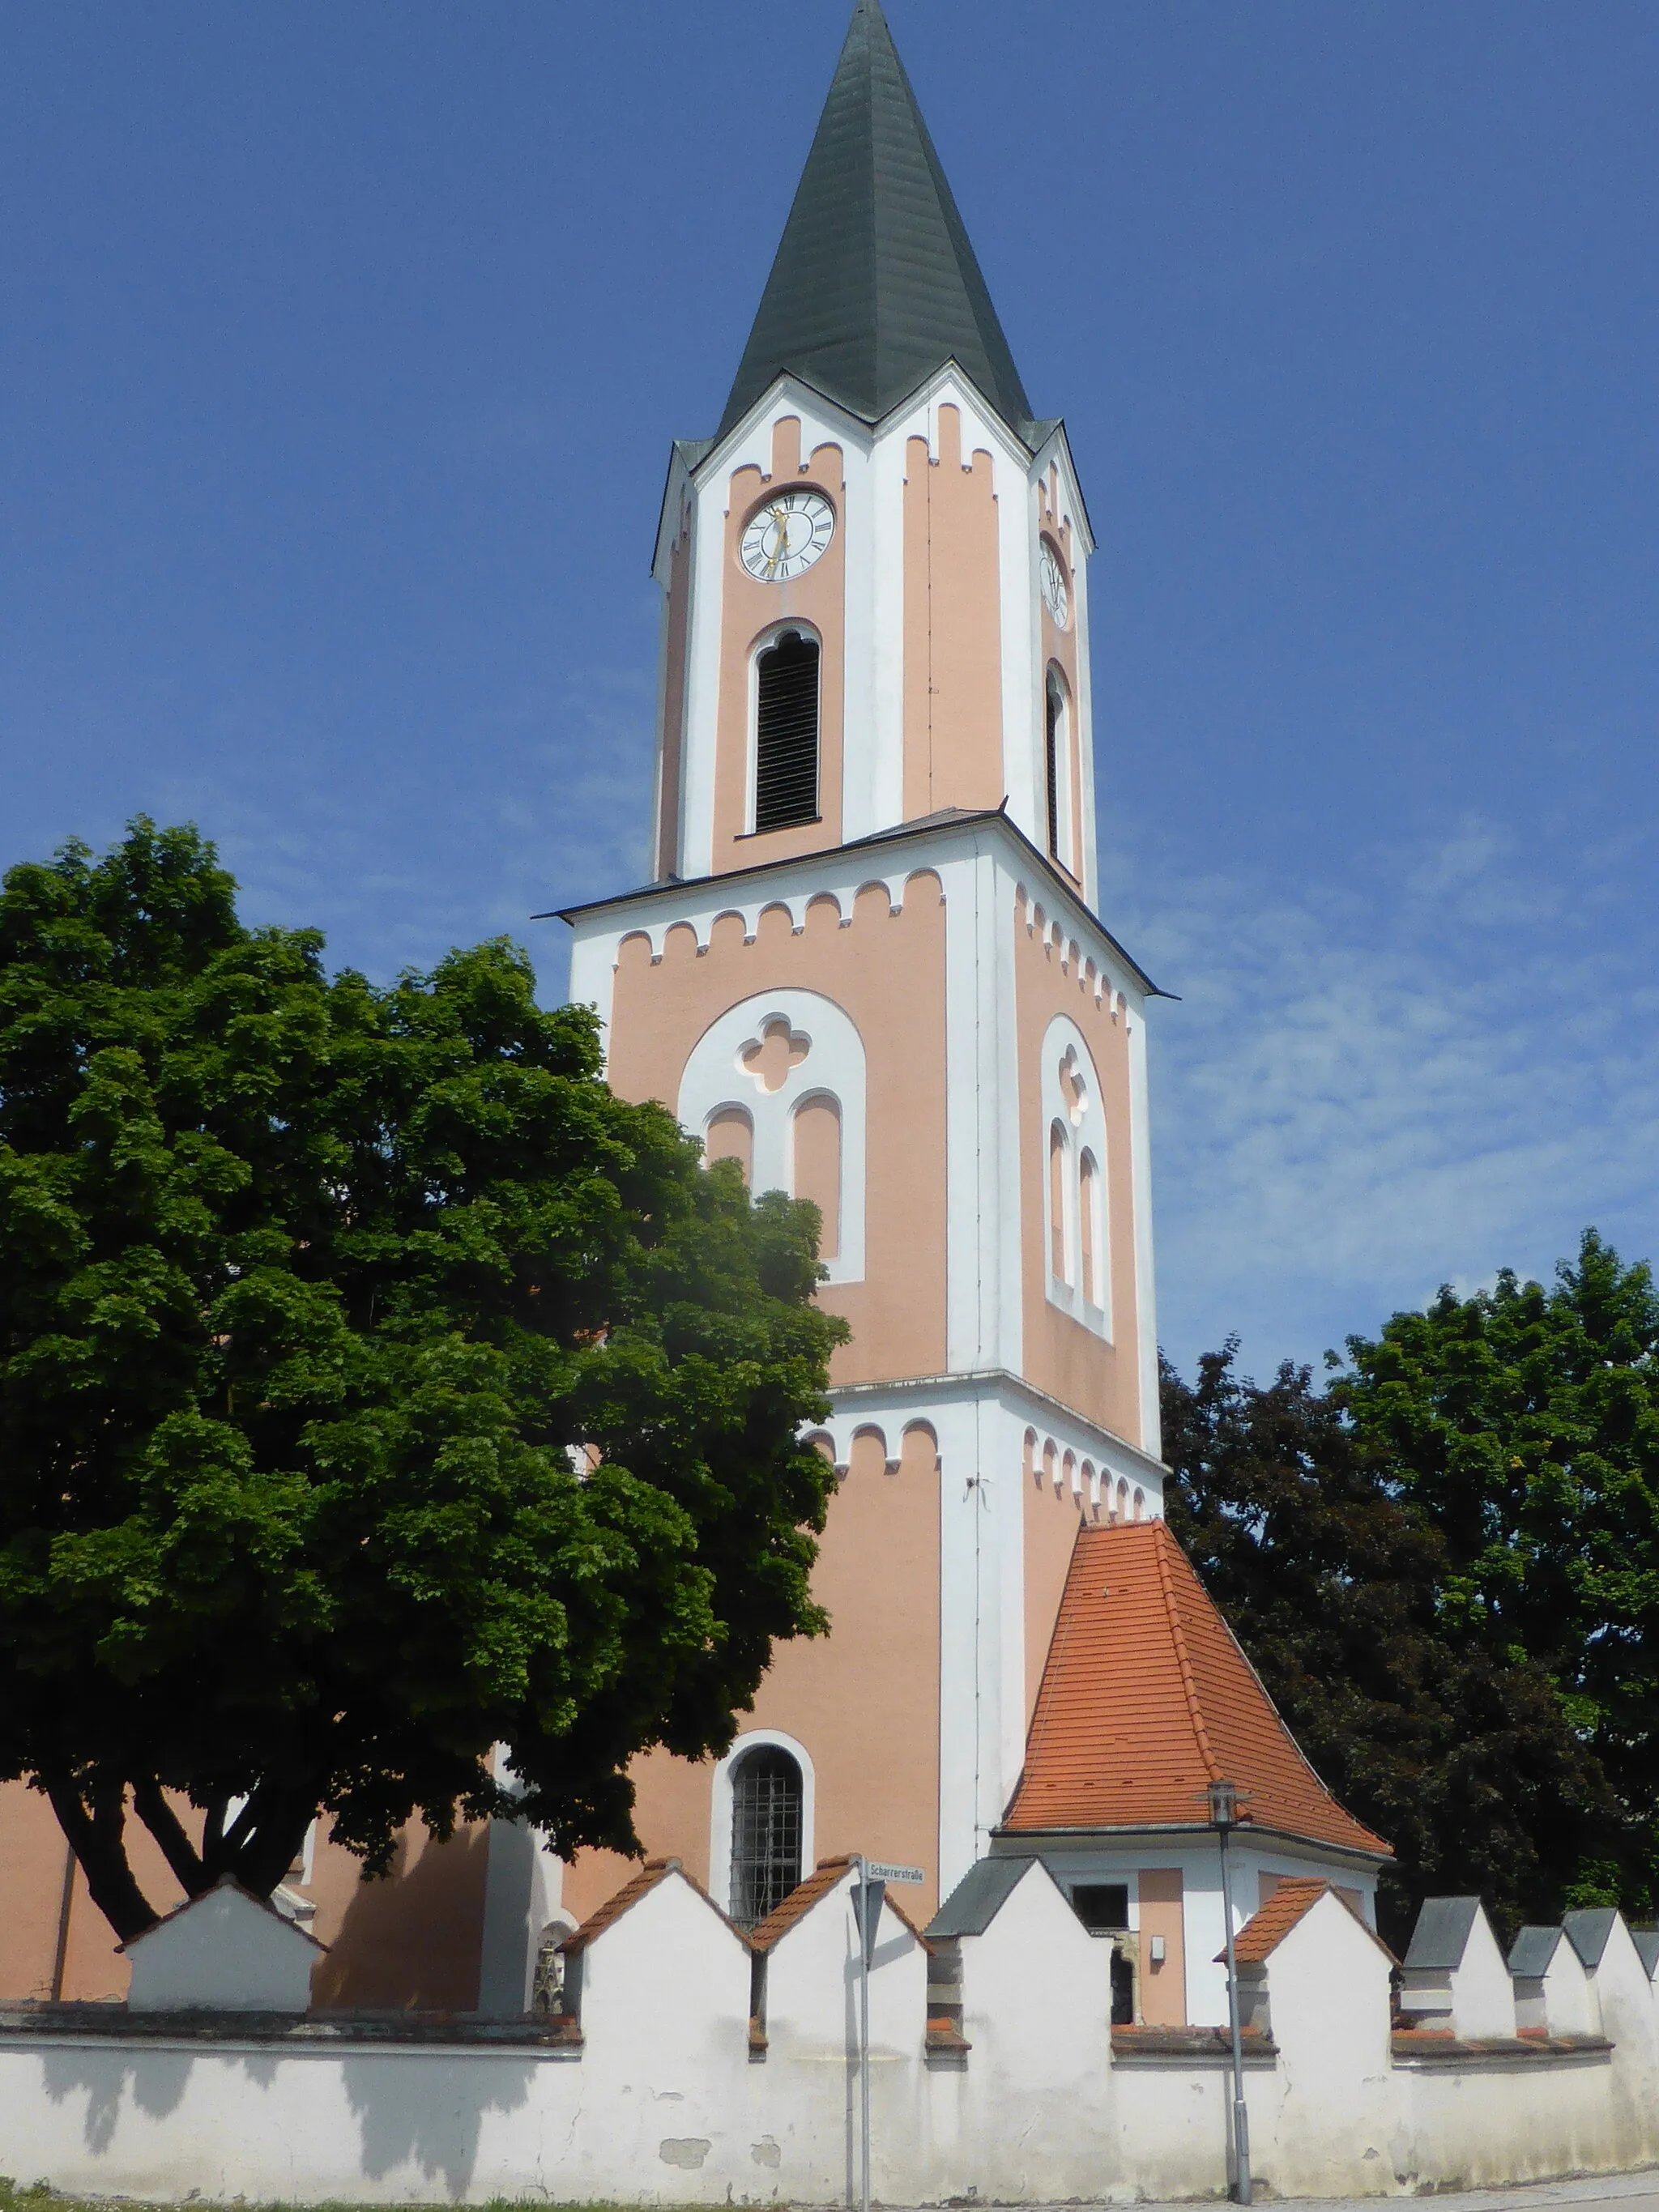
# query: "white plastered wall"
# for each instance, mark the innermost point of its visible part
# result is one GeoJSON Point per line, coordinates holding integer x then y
{"type": "Point", "coordinates": [662, 2103]}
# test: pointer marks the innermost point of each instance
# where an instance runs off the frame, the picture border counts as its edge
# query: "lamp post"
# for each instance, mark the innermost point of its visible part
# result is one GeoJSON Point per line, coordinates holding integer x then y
{"type": "Point", "coordinates": [1224, 1819]}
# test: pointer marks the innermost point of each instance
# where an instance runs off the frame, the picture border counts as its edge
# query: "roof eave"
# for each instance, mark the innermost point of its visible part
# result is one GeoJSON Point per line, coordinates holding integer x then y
{"type": "Point", "coordinates": [1032, 1839]}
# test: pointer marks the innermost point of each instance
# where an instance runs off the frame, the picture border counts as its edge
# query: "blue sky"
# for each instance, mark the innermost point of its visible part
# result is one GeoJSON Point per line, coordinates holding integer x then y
{"type": "Point", "coordinates": [341, 350]}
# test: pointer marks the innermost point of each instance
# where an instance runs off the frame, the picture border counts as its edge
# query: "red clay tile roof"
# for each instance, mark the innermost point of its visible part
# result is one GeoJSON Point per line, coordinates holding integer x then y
{"type": "Point", "coordinates": [1264, 1931]}
{"type": "Point", "coordinates": [804, 1895]}
{"type": "Point", "coordinates": [799, 1903]}
{"type": "Point", "coordinates": [638, 1885]}
{"type": "Point", "coordinates": [1146, 1699]}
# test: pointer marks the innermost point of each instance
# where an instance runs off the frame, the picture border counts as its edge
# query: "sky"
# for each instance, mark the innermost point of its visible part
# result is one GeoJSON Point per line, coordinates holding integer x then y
{"type": "Point", "coordinates": [341, 351]}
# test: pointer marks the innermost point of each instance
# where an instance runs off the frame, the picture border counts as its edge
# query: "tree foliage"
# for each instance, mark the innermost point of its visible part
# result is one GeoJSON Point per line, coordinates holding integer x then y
{"type": "Point", "coordinates": [1523, 1425]}
{"type": "Point", "coordinates": [375, 1386]}
{"type": "Point", "coordinates": [1336, 1584]}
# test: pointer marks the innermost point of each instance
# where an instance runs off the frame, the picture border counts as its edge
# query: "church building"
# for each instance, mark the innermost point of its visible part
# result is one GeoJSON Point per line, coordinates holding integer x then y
{"type": "Point", "coordinates": [871, 967]}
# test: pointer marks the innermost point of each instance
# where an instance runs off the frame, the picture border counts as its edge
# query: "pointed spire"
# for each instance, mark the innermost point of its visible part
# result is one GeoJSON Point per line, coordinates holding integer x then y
{"type": "Point", "coordinates": [875, 284]}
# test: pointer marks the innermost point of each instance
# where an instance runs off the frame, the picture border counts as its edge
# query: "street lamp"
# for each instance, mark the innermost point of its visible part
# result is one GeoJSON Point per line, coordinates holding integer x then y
{"type": "Point", "coordinates": [1224, 1819]}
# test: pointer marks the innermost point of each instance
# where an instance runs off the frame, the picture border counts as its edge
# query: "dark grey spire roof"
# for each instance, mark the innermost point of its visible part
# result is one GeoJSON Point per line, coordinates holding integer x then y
{"type": "Point", "coordinates": [875, 284]}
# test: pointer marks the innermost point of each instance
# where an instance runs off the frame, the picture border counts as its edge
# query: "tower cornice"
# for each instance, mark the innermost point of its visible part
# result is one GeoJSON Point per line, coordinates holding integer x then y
{"type": "Point", "coordinates": [676, 892]}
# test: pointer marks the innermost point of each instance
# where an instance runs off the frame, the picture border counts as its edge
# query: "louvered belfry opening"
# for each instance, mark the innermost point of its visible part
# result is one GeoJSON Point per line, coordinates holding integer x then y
{"type": "Point", "coordinates": [787, 733]}
{"type": "Point", "coordinates": [766, 1798]}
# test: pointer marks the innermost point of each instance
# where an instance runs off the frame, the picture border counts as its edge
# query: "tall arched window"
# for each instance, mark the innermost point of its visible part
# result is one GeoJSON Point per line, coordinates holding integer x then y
{"type": "Point", "coordinates": [786, 731]}
{"type": "Point", "coordinates": [1059, 1259]}
{"type": "Point", "coordinates": [1058, 765]}
{"type": "Point", "coordinates": [731, 1136]}
{"type": "Point", "coordinates": [1089, 1228]}
{"type": "Point", "coordinates": [817, 1131]}
{"type": "Point", "coordinates": [766, 1804]}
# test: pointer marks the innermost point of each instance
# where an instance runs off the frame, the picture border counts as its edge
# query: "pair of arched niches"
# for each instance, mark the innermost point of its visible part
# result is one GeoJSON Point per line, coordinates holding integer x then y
{"type": "Point", "coordinates": [1078, 1239]}
{"type": "Point", "coordinates": [777, 1082]}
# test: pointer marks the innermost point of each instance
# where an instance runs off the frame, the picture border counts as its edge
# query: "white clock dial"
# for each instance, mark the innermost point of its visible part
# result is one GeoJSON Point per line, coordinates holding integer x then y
{"type": "Point", "coordinates": [784, 536]}
{"type": "Point", "coordinates": [1056, 592]}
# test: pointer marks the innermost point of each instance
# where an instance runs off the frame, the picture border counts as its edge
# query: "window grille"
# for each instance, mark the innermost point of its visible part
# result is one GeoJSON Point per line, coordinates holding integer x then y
{"type": "Point", "coordinates": [767, 1797]}
{"type": "Point", "coordinates": [787, 733]}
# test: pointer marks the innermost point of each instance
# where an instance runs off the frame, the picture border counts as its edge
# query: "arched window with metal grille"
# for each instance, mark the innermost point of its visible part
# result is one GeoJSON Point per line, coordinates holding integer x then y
{"type": "Point", "coordinates": [768, 1800]}
{"type": "Point", "coordinates": [786, 731]}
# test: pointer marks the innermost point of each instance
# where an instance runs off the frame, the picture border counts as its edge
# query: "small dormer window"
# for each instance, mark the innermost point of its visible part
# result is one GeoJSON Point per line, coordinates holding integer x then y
{"type": "Point", "coordinates": [786, 731]}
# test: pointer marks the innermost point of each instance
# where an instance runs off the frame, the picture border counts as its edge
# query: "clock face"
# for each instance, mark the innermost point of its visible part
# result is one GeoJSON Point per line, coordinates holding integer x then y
{"type": "Point", "coordinates": [1056, 592]}
{"type": "Point", "coordinates": [784, 536]}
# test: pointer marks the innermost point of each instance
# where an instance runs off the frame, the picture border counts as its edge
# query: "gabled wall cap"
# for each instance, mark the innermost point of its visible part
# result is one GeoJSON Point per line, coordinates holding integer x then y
{"type": "Point", "coordinates": [1289, 1906]}
{"type": "Point", "coordinates": [1441, 1936]}
{"type": "Point", "coordinates": [1588, 1930]}
{"type": "Point", "coordinates": [1531, 1952]}
{"type": "Point", "coordinates": [225, 1881]}
{"type": "Point", "coordinates": [978, 1898]}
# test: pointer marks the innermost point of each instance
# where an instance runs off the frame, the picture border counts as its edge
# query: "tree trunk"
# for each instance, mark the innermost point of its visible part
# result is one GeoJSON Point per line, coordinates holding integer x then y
{"type": "Point", "coordinates": [96, 1837]}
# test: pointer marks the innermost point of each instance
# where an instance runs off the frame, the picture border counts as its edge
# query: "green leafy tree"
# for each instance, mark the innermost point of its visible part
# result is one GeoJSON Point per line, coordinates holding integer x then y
{"type": "Point", "coordinates": [1522, 1424]}
{"type": "Point", "coordinates": [375, 1387]}
{"type": "Point", "coordinates": [1334, 1582]}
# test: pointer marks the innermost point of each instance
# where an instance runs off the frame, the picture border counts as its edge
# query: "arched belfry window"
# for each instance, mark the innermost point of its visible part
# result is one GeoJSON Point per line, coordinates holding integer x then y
{"type": "Point", "coordinates": [768, 1805]}
{"type": "Point", "coordinates": [1058, 763]}
{"type": "Point", "coordinates": [786, 731]}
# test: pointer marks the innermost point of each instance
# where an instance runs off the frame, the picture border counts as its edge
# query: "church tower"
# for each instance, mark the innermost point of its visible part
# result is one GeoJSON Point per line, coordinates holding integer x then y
{"type": "Point", "coordinates": [870, 968]}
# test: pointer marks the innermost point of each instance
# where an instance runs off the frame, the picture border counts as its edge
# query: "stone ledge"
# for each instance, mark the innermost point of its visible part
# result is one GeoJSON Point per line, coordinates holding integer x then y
{"type": "Point", "coordinates": [555, 2035]}
{"type": "Point", "coordinates": [1191, 2046]}
{"type": "Point", "coordinates": [1429, 2047]}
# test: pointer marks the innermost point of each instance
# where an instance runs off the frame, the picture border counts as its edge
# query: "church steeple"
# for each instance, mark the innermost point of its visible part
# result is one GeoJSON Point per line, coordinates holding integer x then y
{"type": "Point", "coordinates": [875, 284]}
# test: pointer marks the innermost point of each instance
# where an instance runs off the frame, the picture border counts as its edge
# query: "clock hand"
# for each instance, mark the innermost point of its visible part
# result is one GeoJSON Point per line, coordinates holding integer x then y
{"type": "Point", "coordinates": [780, 523]}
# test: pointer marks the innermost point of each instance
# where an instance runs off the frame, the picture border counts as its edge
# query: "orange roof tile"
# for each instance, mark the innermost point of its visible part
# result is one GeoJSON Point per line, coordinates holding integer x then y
{"type": "Point", "coordinates": [1146, 1699]}
{"type": "Point", "coordinates": [636, 1886]}
{"type": "Point", "coordinates": [1266, 1930]}
{"type": "Point", "coordinates": [799, 1903]}
{"type": "Point", "coordinates": [805, 1894]}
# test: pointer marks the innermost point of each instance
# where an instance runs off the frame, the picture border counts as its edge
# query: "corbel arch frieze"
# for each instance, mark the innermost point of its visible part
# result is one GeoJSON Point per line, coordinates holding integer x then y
{"type": "Point", "coordinates": [698, 923]}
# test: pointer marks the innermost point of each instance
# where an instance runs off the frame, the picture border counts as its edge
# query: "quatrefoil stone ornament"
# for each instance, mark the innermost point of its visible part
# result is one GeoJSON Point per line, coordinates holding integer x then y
{"type": "Point", "coordinates": [769, 1057]}
{"type": "Point", "coordinates": [1074, 1087]}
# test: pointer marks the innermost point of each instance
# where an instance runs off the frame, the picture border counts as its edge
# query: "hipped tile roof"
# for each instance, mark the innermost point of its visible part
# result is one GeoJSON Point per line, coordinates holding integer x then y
{"type": "Point", "coordinates": [1146, 1699]}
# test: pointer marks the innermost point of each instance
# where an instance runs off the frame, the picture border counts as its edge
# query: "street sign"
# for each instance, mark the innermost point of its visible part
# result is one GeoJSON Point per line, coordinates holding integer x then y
{"type": "Point", "coordinates": [875, 1870]}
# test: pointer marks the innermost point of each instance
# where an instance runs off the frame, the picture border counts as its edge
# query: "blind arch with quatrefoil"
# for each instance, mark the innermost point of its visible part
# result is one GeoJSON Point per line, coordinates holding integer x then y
{"type": "Point", "coordinates": [778, 1082]}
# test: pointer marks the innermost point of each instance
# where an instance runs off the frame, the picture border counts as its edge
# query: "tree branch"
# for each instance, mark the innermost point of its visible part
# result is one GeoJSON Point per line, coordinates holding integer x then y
{"type": "Point", "coordinates": [188, 1867]}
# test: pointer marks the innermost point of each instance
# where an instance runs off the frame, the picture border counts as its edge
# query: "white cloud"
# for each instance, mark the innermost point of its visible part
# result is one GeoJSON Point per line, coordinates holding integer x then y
{"type": "Point", "coordinates": [1438, 1069]}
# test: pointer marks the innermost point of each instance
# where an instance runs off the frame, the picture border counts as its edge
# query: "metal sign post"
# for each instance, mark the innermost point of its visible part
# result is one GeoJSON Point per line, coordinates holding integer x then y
{"type": "Point", "coordinates": [869, 1892]}
{"type": "Point", "coordinates": [1223, 1818]}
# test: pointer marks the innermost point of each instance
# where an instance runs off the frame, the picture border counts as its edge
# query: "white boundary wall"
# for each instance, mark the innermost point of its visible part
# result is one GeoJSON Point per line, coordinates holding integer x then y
{"type": "Point", "coordinates": [664, 2103]}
